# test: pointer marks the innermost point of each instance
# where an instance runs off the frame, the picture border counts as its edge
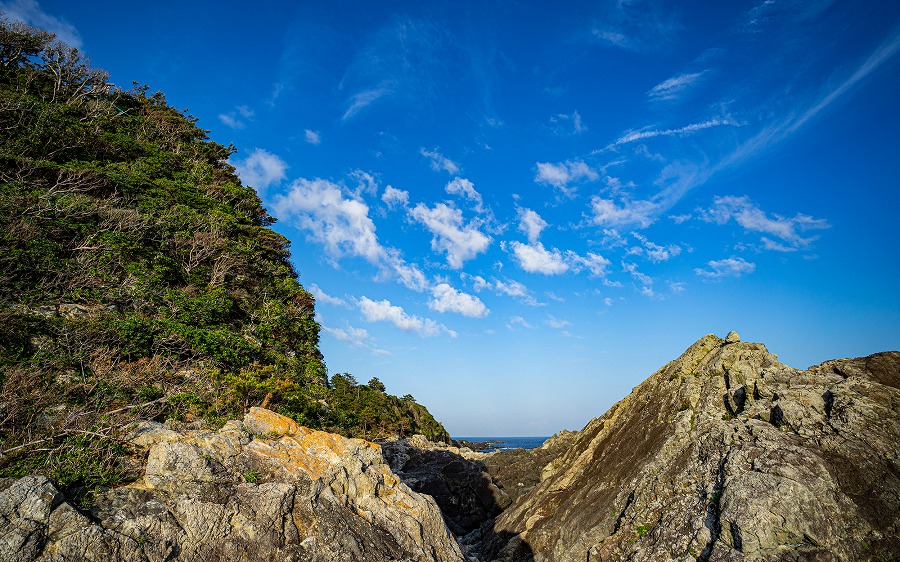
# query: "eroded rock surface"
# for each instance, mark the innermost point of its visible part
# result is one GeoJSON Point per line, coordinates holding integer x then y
{"type": "Point", "coordinates": [725, 454]}
{"type": "Point", "coordinates": [261, 489]}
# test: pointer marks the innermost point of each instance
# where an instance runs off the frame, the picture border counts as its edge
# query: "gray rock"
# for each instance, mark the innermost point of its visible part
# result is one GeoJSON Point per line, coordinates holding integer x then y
{"type": "Point", "coordinates": [293, 495]}
{"type": "Point", "coordinates": [725, 454]}
{"type": "Point", "coordinates": [732, 337]}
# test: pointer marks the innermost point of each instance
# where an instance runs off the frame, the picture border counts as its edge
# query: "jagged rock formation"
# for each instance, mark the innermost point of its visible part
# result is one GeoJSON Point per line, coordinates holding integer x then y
{"type": "Point", "coordinates": [725, 454]}
{"type": "Point", "coordinates": [517, 471]}
{"type": "Point", "coordinates": [456, 478]}
{"type": "Point", "coordinates": [261, 489]}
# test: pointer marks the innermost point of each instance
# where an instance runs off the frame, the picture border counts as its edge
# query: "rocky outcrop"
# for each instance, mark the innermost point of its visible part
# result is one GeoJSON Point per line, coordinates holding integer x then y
{"type": "Point", "coordinates": [457, 479]}
{"type": "Point", "coordinates": [725, 454]}
{"type": "Point", "coordinates": [261, 489]}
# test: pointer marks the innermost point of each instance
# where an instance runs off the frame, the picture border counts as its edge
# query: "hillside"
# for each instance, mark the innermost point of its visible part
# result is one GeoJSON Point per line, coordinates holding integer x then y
{"type": "Point", "coordinates": [139, 279]}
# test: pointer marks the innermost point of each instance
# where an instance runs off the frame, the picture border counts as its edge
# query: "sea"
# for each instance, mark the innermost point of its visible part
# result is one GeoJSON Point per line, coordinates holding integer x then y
{"type": "Point", "coordinates": [506, 443]}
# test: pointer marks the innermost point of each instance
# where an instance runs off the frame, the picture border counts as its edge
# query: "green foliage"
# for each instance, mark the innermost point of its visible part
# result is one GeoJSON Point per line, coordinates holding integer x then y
{"type": "Point", "coordinates": [139, 280]}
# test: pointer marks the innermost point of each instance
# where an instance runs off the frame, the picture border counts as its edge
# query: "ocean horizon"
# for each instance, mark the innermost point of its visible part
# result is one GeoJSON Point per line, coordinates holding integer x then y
{"type": "Point", "coordinates": [507, 443]}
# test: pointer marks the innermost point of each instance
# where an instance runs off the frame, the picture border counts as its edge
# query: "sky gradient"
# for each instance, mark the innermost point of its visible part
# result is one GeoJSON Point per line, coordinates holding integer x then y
{"type": "Point", "coordinates": [516, 212]}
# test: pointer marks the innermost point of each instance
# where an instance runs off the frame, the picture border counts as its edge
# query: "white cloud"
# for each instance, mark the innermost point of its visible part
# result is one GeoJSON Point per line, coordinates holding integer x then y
{"type": "Point", "coordinates": [644, 279]}
{"type": "Point", "coordinates": [466, 189]}
{"type": "Point", "coordinates": [557, 323]}
{"type": "Point", "coordinates": [231, 121]}
{"type": "Point", "coordinates": [655, 252]}
{"type": "Point", "coordinates": [508, 287]}
{"type": "Point", "coordinates": [448, 299]}
{"type": "Point", "coordinates": [312, 137]}
{"type": "Point", "coordinates": [233, 118]}
{"type": "Point", "coordinates": [572, 123]}
{"type": "Point", "coordinates": [595, 263]}
{"type": "Point", "coordinates": [531, 224]}
{"type": "Point", "coordinates": [261, 169]}
{"type": "Point", "coordinates": [460, 242]}
{"type": "Point", "coordinates": [729, 267]}
{"type": "Point", "coordinates": [440, 162]}
{"type": "Point", "coordinates": [562, 174]}
{"type": "Point", "coordinates": [355, 337]}
{"type": "Point", "coordinates": [30, 12]}
{"type": "Point", "coordinates": [534, 258]}
{"type": "Point", "coordinates": [518, 321]}
{"type": "Point", "coordinates": [384, 311]}
{"type": "Point", "coordinates": [671, 88]}
{"type": "Point", "coordinates": [393, 197]}
{"type": "Point", "coordinates": [748, 215]}
{"type": "Point", "coordinates": [608, 301]}
{"type": "Point", "coordinates": [365, 98]}
{"type": "Point", "coordinates": [343, 226]}
{"type": "Point", "coordinates": [607, 213]}
{"type": "Point", "coordinates": [321, 296]}
{"type": "Point", "coordinates": [686, 130]}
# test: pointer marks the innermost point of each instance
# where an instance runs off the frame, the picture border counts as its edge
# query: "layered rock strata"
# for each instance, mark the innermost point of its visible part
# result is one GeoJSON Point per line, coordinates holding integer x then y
{"type": "Point", "coordinates": [261, 489]}
{"type": "Point", "coordinates": [725, 454]}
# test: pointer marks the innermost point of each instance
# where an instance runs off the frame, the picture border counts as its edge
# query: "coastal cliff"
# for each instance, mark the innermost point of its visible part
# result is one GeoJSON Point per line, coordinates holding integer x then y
{"type": "Point", "coordinates": [725, 454]}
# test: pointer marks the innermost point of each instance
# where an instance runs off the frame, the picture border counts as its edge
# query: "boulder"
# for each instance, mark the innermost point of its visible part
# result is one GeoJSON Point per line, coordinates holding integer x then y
{"type": "Point", "coordinates": [261, 489]}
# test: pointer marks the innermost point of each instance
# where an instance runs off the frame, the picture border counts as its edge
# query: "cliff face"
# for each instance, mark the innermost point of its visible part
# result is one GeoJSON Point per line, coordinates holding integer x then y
{"type": "Point", "coordinates": [261, 489]}
{"type": "Point", "coordinates": [725, 454]}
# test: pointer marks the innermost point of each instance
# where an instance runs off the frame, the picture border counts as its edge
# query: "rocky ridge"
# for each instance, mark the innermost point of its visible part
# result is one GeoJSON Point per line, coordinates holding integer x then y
{"type": "Point", "coordinates": [725, 454]}
{"type": "Point", "coordinates": [261, 489]}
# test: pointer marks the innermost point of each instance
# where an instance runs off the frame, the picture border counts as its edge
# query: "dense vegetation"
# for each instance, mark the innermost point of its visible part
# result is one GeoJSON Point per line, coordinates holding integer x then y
{"type": "Point", "coordinates": [139, 280]}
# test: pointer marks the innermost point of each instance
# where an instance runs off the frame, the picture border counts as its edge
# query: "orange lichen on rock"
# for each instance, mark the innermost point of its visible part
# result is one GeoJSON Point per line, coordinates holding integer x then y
{"type": "Point", "coordinates": [303, 451]}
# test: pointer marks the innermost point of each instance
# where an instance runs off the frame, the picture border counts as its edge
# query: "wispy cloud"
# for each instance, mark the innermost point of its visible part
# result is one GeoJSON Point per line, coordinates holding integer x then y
{"type": "Point", "coordinates": [673, 87]}
{"type": "Point", "coordinates": [355, 337]}
{"type": "Point", "coordinates": [729, 267]}
{"type": "Point", "coordinates": [605, 212]}
{"type": "Point", "coordinates": [447, 299]}
{"type": "Point", "coordinates": [773, 134]}
{"type": "Point", "coordinates": [556, 323]}
{"type": "Point", "coordinates": [384, 311]}
{"type": "Point", "coordinates": [634, 26]}
{"type": "Point", "coordinates": [507, 287]}
{"type": "Point", "coordinates": [312, 137]}
{"type": "Point", "coordinates": [365, 98]}
{"type": "Point", "coordinates": [568, 124]}
{"type": "Point", "coordinates": [235, 118]}
{"type": "Point", "coordinates": [654, 252]}
{"type": "Point", "coordinates": [450, 234]}
{"type": "Point", "coordinates": [680, 131]}
{"type": "Point", "coordinates": [562, 174]}
{"type": "Point", "coordinates": [323, 297]}
{"type": "Point", "coordinates": [30, 12]}
{"type": "Point", "coordinates": [440, 162]}
{"type": "Point", "coordinates": [518, 322]}
{"type": "Point", "coordinates": [748, 215]}
{"type": "Point", "coordinates": [260, 169]}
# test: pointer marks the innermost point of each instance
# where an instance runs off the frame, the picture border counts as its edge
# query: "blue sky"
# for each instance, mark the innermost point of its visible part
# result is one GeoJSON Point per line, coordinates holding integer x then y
{"type": "Point", "coordinates": [516, 212]}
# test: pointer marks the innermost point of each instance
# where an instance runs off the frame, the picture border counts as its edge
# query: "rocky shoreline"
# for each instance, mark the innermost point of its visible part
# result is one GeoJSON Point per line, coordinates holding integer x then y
{"type": "Point", "coordinates": [724, 454]}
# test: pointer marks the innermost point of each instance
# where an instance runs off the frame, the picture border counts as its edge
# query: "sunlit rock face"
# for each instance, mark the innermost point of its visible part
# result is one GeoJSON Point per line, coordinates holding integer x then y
{"type": "Point", "coordinates": [725, 454]}
{"type": "Point", "coordinates": [261, 489]}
